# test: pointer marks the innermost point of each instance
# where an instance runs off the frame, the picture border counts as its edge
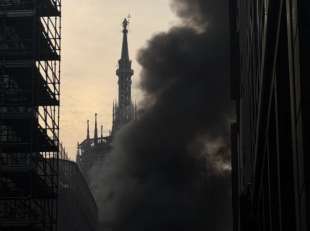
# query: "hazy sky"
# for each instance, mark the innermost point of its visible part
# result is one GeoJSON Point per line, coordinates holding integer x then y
{"type": "Point", "coordinates": [90, 50]}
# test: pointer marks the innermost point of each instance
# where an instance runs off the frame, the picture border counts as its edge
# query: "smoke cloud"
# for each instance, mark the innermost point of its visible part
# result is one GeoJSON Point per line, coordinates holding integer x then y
{"type": "Point", "coordinates": [170, 170]}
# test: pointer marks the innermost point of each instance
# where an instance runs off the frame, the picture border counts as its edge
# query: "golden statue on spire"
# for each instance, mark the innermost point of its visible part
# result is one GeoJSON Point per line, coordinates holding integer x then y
{"type": "Point", "coordinates": [125, 23]}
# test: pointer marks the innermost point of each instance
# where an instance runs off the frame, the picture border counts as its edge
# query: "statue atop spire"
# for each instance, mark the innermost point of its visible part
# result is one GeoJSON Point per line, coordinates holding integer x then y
{"type": "Point", "coordinates": [125, 23]}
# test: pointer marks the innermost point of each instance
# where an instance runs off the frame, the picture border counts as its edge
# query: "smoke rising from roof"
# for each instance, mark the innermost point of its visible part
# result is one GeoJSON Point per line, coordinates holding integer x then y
{"type": "Point", "coordinates": [170, 170]}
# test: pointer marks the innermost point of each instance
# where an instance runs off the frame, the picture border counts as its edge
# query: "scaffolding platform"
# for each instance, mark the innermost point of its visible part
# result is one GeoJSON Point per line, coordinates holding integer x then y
{"type": "Point", "coordinates": [22, 8]}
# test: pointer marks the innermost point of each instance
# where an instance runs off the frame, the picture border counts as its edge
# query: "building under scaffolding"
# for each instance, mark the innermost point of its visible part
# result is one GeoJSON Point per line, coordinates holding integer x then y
{"type": "Point", "coordinates": [93, 150]}
{"type": "Point", "coordinates": [30, 47]}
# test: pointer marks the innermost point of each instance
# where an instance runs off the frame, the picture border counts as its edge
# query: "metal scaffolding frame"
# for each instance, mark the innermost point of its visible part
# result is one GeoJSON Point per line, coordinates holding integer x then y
{"type": "Point", "coordinates": [30, 46]}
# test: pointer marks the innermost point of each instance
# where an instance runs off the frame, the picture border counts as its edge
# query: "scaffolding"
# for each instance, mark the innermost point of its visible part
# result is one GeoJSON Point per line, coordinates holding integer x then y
{"type": "Point", "coordinates": [30, 45]}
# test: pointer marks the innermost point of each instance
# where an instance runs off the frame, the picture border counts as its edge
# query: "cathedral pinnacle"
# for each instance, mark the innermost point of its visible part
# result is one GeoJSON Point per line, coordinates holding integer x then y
{"type": "Point", "coordinates": [96, 130]}
{"type": "Point", "coordinates": [87, 136]}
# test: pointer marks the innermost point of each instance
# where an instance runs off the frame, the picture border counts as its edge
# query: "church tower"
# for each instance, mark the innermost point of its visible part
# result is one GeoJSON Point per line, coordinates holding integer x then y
{"type": "Point", "coordinates": [123, 112]}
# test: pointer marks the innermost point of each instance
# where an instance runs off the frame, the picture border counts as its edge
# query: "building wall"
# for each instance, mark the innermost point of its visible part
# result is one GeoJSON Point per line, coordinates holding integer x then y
{"type": "Point", "coordinates": [269, 85]}
{"type": "Point", "coordinates": [91, 153]}
{"type": "Point", "coordinates": [77, 210]}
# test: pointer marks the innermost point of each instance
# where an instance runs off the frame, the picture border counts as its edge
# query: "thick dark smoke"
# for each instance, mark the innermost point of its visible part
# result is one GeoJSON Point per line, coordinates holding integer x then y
{"type": "Point", "coordinates": [170, 170]}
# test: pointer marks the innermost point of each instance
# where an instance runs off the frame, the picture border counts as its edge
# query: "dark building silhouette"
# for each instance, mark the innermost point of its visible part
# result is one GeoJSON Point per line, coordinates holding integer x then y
{"type": "Point", "coordinates": [30, 47]}
{"type": "Point", "coordinates": [93, 150]}
{"type": "Point", "coordinates": [270, 85]}
{"type": "Point", "coordinates": [77, 209]}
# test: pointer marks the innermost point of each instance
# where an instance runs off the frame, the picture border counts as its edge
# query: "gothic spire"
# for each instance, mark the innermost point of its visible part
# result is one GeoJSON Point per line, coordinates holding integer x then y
{"type": "Point", "coordinates": [87, 136]}
{"type": "Point", "coordinates": [96, 130]}
{"type": "Point", "coordinates": [123, 110]}
{"type": "Point", "coordinates": [125, 52]}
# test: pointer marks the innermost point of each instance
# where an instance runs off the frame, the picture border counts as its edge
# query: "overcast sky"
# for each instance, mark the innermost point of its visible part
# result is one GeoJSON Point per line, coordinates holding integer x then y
{"type": "Point", "coordinates": [91, 47]}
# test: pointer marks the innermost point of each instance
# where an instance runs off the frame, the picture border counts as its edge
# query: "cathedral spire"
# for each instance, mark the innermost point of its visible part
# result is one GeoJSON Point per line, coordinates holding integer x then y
{"type": "Point", "coordinates": [123, 110]}
{"type": "Point", "coordinates": [101, 132]}
{"type": "Point", "coordinates": [125, 52]}
{"type": "Point", "coordinates": [87, 136]}
{"type": "Point", "coordinates": [96, 130]}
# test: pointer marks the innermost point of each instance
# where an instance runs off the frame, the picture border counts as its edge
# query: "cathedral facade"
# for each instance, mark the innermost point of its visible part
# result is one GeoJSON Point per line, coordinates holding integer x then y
{"type": "Point", "coordinates": [93, 150]}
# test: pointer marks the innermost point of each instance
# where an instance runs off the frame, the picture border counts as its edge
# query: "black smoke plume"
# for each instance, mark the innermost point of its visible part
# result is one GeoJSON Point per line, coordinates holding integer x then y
{"type": "Point", "coordinates": [170, 170]}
